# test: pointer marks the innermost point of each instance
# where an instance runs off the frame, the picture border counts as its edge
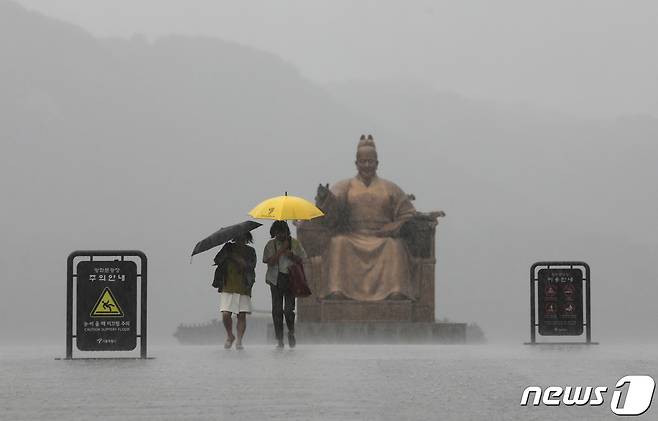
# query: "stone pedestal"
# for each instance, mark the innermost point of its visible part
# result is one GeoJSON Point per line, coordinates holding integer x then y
{"type": "Point", "coordinates": [343, 311]}
{"type": "Point", "coordinates": [377, 332]}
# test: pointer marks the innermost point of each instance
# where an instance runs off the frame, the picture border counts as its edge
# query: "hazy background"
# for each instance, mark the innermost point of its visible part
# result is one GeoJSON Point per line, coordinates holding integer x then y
{"type": "Point", "coordinates": [532, 125]}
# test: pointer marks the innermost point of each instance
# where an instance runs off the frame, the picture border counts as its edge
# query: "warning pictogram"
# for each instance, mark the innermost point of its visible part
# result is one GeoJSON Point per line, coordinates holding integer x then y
{"type": "Point", "coordinates": [106, 306]}
{"type": "Point", "coordinates": [551, 291]}
{"type": "Point", "coordinates": [569, 291]}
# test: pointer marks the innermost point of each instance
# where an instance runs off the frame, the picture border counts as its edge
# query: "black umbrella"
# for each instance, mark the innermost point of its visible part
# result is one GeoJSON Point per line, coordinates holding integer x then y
{"type": "Point", "coordinates": [223, 235]}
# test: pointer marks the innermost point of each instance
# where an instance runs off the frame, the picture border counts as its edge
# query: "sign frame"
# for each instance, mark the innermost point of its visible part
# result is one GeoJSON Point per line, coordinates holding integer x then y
{"type": "Point", "coordinates": [585, 297]}
{"type": "Point", "coordinates": [141, 277]}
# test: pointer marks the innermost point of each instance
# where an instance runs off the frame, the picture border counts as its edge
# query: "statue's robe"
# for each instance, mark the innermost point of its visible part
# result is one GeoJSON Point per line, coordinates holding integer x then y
{"type": "Point", "coordinates": [360, 264]}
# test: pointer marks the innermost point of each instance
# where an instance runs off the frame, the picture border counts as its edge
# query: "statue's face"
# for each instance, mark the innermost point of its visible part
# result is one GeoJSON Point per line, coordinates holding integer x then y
{"type": "Point", "coordinates": [366, 162]}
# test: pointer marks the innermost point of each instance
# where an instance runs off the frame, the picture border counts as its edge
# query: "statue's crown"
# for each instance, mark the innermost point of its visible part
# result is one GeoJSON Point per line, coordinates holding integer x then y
{"type": "Point", "coordinates": [366, 142]}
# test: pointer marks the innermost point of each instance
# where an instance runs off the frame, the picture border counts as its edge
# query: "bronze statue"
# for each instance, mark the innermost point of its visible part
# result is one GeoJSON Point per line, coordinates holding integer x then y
{"type": "Point", "coordinates": [365, 259]}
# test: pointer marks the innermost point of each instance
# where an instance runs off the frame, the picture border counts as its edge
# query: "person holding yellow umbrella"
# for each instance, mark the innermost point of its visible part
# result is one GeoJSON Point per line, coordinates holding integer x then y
{"type": "Point", "coordinates": [280, 253]}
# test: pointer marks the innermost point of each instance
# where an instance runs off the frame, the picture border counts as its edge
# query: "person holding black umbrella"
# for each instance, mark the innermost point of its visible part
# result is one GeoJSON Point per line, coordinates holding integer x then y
{"type": "Point", "coordinates": [234, 278]}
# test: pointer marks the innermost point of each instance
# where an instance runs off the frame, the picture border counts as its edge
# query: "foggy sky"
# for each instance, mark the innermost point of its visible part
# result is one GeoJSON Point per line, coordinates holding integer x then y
{"type": "Point", "coordinates": [592, 58]}
{"type": "Point", "coordinates": [133, 144]}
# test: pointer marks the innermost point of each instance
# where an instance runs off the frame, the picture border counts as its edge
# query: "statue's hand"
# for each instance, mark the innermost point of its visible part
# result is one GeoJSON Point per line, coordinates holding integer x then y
{"type": "Point", "coordinates": [392, 229]}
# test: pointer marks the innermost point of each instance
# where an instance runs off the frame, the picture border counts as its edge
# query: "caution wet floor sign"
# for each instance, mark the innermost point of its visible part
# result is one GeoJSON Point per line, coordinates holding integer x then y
{"type": "Point", "coordinates": [106, 305]}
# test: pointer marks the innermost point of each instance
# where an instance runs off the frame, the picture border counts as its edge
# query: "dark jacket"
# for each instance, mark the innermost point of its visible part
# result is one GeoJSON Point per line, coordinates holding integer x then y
{"type": "Point", "coordinates": [221, 260]}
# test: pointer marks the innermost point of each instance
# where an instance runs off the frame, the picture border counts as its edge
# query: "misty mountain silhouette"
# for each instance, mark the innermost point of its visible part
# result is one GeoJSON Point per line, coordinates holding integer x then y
{"type": "Point", "coordinates": [57, 73]}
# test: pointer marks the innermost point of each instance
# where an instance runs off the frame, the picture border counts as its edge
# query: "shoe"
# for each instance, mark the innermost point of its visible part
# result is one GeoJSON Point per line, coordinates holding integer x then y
{"type": "Point", "coordinates": [291, 340]}
{"type": "Point", "coordinates": [279, 344]}
{"type": "Point", "coordinates": [239, 347]}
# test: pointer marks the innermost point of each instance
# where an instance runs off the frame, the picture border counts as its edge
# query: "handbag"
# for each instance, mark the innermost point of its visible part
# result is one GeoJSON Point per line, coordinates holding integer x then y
{"type": "Point", "coordinates": [298, 284]}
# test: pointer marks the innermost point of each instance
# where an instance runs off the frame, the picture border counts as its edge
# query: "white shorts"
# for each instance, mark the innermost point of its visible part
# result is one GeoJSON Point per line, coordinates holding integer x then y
{"type": "Point", "coordinates": [235, 303]}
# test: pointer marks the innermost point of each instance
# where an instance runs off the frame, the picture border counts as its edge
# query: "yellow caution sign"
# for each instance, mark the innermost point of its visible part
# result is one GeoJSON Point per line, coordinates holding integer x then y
{"type": "Point", "coordinates": [106, 306]}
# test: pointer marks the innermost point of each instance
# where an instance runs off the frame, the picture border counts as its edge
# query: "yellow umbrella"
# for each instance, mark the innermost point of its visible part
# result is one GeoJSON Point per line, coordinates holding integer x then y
{"type": "Point", "coordinates": [285, 208]}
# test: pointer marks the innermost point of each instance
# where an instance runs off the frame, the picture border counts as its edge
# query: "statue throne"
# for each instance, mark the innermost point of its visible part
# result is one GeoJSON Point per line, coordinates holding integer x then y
{"type": "Point", "coordinates": [419, 235]}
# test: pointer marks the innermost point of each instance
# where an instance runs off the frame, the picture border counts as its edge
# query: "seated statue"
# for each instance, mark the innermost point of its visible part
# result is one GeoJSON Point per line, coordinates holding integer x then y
{"type": "Point", "coordinates": [366, 260]}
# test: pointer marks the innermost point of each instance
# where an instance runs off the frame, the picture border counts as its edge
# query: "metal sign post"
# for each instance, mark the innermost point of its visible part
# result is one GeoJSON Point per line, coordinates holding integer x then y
{"type": "Point", "coordinates": [562, 304]}
{"type": "Point", "coordinates": [106, 304]}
